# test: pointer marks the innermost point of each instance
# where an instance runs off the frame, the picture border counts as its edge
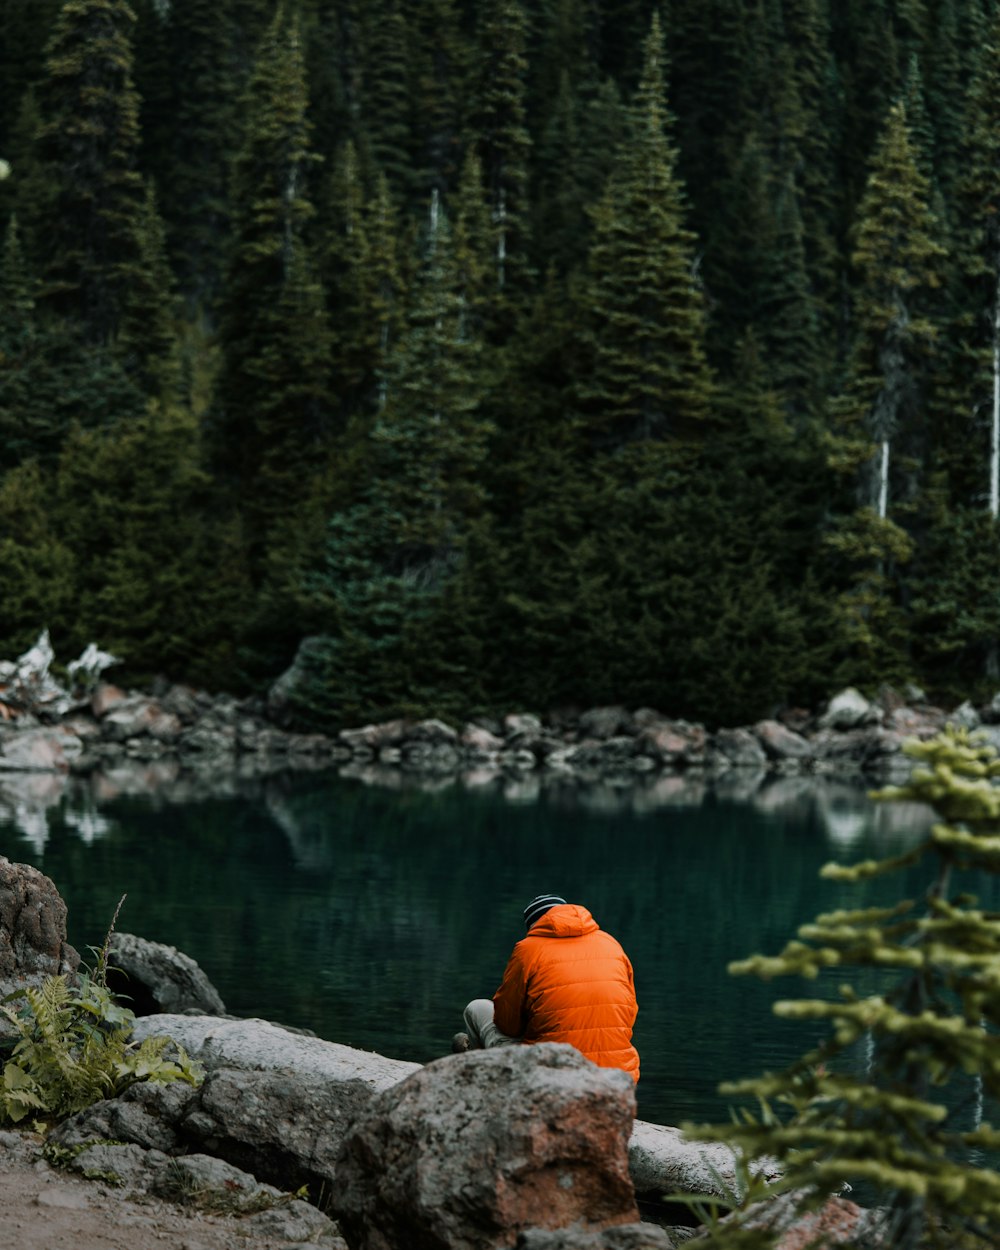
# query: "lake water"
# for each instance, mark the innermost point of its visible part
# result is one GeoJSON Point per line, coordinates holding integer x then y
{"type": "Point", "coordinates": [371, 914]}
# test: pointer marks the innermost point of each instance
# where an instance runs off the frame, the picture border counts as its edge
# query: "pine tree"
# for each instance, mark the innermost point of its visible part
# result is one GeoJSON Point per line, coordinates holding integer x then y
{"type": "Point", "coordinates": [560, 230]}
{"type": "Point", "coordinates": [392, 555]}
{"type": "Point", "coordinates": [880, 427]}
{"type": "Point", "coordinates": [26, 29]}
{"type": "Point", "coordinates": [932, 1022]}
{"type": "Point", "coordinates": [970, 441]}
{"type": "Point", "coordinates": [645, 312]}
{"type": "Point", "coordinates": [818, 92]}
{"type": "Point", "coordinates": [205, 134]}
{"type": "Point", "coordinates": [502, 139]}
{"type": "Point", "coordinates": [867, 53]}
{"type": "Point", "coordinates": [147, 338]}
{"type": "Point", "coordinates": [385, 132]}
{"type": "Point", "coordinates": [947, 84]}
{"type": "Point", "coordinates": [88, 147]}
{"type": "Point", "coordinates": [898, 262]}
{"type": "Point", "coordinates": [131, 503]}
{"type": "Point", "coordinates": [17, 338]}
{"type": "Point", "coordinates": [50, 379]}
{"type": "Point", "coordinates": [271, 300]}
{"type": "Point", "coordinates": [362, 273]}
{"type": "Point", "coordinates": [441, 58]}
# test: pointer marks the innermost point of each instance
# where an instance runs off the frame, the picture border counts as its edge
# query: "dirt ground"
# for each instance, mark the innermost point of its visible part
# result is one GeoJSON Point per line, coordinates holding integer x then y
{"type": "Point", "coordinates": [46, 1208]}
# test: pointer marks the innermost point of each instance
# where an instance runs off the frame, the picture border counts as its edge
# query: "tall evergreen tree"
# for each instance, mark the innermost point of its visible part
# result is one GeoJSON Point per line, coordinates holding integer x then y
{"type": "Point", "coordinates": [271, 300]}
{"type": "Point", "coordinates": [147, 336]}
{"type": "Point", "coordinates": [501, 136]}
{"type": "Point", "coordinates": [881, 428]}
{"type": "Point", "coordinates": [899, 264]}
{"type": "Point", "coordinates": [392, 555]}
{"type": "Point", "coordinates": [970, 442]}
{"type": "Point", "coordinates": [930, 1018]}
{"type": "Point", "coordinates": [26, 31]}
{"type": "Point", "coordinates": [385, 134]}
{"type": "Point", "coordinates": [204, 136]}
{"type": "Point", "coordinates": [361, 267]}
{"type": "Point", "coordinates": [88, 145]}
{"type": "Point", "coordinates": [645, 312]}
{"type": "Point", "coordinates": [441, 55]}
{"type": "Point", "coordinates": [50, 379]}
{"type": "Point", "coordinates": [818, 91]}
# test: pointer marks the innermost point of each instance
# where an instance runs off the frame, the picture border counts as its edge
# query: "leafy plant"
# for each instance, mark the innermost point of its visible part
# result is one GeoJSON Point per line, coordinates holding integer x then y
{"type": "Point", "coordinates": [74, 1047]}
{"type": "Point", "coordinates": [933, 1024]}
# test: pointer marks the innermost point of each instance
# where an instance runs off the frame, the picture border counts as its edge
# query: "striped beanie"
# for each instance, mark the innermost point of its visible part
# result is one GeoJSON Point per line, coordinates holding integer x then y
{"type": "Point", "coordinates": [537, 908]}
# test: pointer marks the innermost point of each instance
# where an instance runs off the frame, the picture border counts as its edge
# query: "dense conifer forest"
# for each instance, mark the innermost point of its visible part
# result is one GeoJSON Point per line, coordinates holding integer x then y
{"type": "Point", "coordinates": [512, 352]}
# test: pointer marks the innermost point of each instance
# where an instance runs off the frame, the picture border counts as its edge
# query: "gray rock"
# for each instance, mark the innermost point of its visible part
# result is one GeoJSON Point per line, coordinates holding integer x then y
{"type": "Point", "coordinates": [604, 722]}
{"type": "Point", "coordinates": [849, 710]}
{"type": "Point", "coordinates": [922, 722]}
{"type": "Point", "coordinates": [106, 697]}
{"type": "Point", "coordinates": [138, 717]}
{"type": "Point", "coordinates": [662, 1161]}
{"type": "Point", "coordinates": [476, 1148]}
{"type": "Point", "coordinates": [282, 1125]}
{"type": "Point", "coordinates": [622, 1237]}
{"type": "Point", "coordinates": [209, 740]}
{"type": "Point", "coordinates": [518, 724]}
{"type": "Point", "coordinates": [161, 978]}
{"type": "Point", "coordinates": [146, 1114]}
{"type": "Point", "coordinates": [130, 1165]}
{"type": "Point", "coordinates": [433, 731]}
{"type": "Point", "coordinates": [781, 743]}
{"type": "Point", "coordinates": [186, 703]}
{"type": "Point", "coordinates": [42, 750]}
{"type": "Point", "coordinates": [479, 743]}
{"type": "Point", "coordinates": [296, 1222]}
{"type": "Point", "coordinates": [838, 1222]}
{"type": "Point", "coordinates": [674, 743]}
{"type": "Point", "coordinates": [965, 716]}
{"type": "Point", "coordinates": [257, 1044]}
{"type": "Point", "coordinates": [33, 941]}
{"type": "Point", "coordinates": [741, 748]}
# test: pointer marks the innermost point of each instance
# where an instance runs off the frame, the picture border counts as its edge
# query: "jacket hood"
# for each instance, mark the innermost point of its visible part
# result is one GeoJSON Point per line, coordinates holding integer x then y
{"type": "Point", "coordinates": [565, 920]}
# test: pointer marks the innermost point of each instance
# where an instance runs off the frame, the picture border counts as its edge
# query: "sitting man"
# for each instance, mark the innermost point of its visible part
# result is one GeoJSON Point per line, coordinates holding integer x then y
{"type": "Point", "coordinates": [567, 981]}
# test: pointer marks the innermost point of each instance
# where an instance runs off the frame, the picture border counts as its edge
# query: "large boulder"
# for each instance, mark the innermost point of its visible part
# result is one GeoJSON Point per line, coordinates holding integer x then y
{"type": "Point", "coordinates": [157, 978]}
{"type": "Point", "coordinates": [33, 941]}
{"type": "Point", "coordinates": [476, 1148]}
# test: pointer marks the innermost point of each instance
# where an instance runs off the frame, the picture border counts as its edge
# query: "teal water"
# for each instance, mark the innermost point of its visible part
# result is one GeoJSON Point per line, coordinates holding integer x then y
{"type": "Point", "coordinates": [371, 915]}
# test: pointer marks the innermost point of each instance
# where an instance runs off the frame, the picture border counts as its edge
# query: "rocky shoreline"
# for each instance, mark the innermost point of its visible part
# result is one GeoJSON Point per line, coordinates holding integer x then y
{"type": "Point", "coordinates": [174, 724]}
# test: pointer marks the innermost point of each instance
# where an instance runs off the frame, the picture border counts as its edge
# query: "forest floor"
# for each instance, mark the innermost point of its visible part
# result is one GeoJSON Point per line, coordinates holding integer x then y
{"type": "Point", "coordinates": [46, 1208]}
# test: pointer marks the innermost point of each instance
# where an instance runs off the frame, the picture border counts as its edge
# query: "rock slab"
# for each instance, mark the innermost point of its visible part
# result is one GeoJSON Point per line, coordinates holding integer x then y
{"type": "Point", "coordinates": [475, 1149]}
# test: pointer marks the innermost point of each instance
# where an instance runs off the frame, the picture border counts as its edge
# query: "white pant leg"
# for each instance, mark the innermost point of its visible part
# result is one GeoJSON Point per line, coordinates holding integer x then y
{"type": "Point", "coordinates": [479, 1023]}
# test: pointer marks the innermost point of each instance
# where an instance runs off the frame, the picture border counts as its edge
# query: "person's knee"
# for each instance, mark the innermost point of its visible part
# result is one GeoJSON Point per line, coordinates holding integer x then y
{"type": "Point", "coordinates": [478, 1015]}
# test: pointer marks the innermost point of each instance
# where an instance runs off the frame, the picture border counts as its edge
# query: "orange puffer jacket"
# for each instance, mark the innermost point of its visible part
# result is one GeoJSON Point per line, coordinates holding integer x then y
{"type": "Point", "coordinates": [569, 981]}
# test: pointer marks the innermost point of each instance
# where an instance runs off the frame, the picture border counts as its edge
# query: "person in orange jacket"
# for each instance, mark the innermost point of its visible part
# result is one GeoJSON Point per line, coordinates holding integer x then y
{"type": "Point", "coordinates": [566, 981]}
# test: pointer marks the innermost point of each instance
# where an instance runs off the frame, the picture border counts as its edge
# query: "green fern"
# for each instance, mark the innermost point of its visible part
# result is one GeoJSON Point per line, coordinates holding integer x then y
{"type": "Point", "coordinates": [74, 1047]}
